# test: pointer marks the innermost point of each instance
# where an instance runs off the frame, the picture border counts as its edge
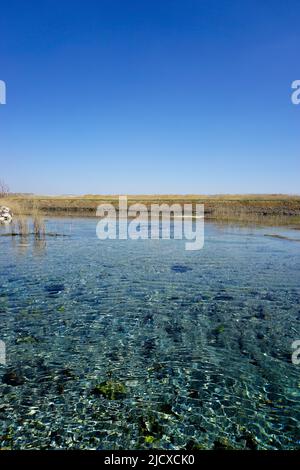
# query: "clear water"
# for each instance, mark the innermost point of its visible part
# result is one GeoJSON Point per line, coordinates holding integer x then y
{"type": "Point", "coordinates": [188, 349]}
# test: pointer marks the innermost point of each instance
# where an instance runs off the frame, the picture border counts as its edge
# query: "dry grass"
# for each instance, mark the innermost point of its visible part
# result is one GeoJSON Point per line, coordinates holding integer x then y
{"type": "Point", "coordinates": [26, 222]}
{"type": "Point", "coordinates": [247, 207]}
{"type": "Point", "coordinates": [39, 229]}
{"type": "Point", "coordinates": [20, 223]}
{"type": "Point", "coordinates": [22, 226]}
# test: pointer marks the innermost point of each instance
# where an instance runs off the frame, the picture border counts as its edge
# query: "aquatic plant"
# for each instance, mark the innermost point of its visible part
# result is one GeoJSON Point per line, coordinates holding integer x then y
{"type": "Point", "coordinates": [39, 229]}
{"type": "Point", "coordinates": [22, 224]}
{"type": "Point", "coordinates": [110, 389]}
{"type": "Point", "coordinates": [219, 329]}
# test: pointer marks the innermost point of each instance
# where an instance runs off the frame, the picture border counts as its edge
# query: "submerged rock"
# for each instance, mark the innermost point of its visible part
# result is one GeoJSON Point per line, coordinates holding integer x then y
{"type": "Point", "coordinates": [223, 444]}
{"type": "Point", "coordinates": [14, 378]}
{"type": "Point", "coordinates": [149, 427]}
{"type": "Point", "coordinates": [281, 237]}
{"type": "Point", "coordinates": [110, 390]}
{"type": "Point", "coordinates": [192, 445]}
{"type": "Point", "coordinates": [179, 268]}
{"type": "Point", "coordinates": [218, 330]}
{"type": "Point", "coordinates": [54, 289]}
{"type": "Point", "coordinates": [260, 313]}
{"type": "Point", "coordinates": [166, 408]}
{"type": "Point", "coordinates": [223, 297]}
{"type": "Point", "coordinates": [249, 440]}
{"type": "Point", "coordinates": [29, 339]}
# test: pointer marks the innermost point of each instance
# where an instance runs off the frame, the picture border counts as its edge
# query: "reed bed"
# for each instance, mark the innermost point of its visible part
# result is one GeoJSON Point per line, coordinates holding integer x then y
{"type": "Point", "coordinates": [255, 208]}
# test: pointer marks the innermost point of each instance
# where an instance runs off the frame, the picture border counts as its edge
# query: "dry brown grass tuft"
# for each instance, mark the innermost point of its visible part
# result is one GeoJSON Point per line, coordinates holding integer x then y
{"type": "Point", "coordinates": [39, 229]}
{"type": "Point", "coordinates": [21, 218]}
{"type": "Point", "coordinates": [21, 222]}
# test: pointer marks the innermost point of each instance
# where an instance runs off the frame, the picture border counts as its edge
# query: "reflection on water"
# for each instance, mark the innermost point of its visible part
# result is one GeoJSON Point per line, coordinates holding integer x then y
{"type": "Point", "coordinates": [138, 344]}
{"type": "Point", "coordinates": [22, 245]}
{"type": "Point", "coordinates": [39, 246]}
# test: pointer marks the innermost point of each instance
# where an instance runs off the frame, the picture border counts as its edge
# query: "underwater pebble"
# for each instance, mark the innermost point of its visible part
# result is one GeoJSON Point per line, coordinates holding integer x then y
{"type": "Point", "coordinates": [13, 378]}
{"type": "Point", "coordinates": [178, 268]}
{"type": "Point", "coordinates": [54, 288]}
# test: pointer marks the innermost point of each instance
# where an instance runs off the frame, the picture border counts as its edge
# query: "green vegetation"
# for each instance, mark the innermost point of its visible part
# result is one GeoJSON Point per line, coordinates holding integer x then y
{"type": "Point", "coordinates": [110, 390]}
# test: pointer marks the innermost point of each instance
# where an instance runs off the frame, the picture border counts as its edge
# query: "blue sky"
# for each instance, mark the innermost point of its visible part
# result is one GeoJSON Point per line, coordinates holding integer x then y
{"type": "Point", "coordinates": [152, 96]}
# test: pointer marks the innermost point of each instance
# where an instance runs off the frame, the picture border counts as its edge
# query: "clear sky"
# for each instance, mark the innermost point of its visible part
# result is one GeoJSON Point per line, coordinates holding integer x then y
{"type": "Point", "coordinates": [150, 96]}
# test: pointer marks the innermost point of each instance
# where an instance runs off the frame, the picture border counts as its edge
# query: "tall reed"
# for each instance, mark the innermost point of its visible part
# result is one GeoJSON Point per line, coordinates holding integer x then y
{"type": "Point", "coordinates": [22, 225]}
{"type": "Point", "coordinates": [39, 229]}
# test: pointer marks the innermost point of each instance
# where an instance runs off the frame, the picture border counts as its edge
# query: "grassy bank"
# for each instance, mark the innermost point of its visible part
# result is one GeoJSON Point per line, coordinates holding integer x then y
{"type": "Point", "coordinates": [282, 209]}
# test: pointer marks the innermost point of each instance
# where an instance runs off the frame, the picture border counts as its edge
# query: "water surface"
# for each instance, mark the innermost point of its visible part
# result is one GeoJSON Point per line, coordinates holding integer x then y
{"type": "Point", "coordinates": [137, 344]}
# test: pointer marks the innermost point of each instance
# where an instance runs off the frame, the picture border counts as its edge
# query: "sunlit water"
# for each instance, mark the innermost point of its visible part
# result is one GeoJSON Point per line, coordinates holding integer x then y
{"type": "Point", "coordinates": [139, 344]}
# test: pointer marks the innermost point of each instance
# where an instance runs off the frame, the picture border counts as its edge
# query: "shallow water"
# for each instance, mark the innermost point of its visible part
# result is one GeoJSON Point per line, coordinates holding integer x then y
{"type": "Point", "coordinates": [137, 344]}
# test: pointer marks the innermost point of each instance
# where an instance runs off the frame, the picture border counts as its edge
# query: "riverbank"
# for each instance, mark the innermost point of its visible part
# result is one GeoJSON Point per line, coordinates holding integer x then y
{"type": "Point", "coordinates": [279, 209]}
